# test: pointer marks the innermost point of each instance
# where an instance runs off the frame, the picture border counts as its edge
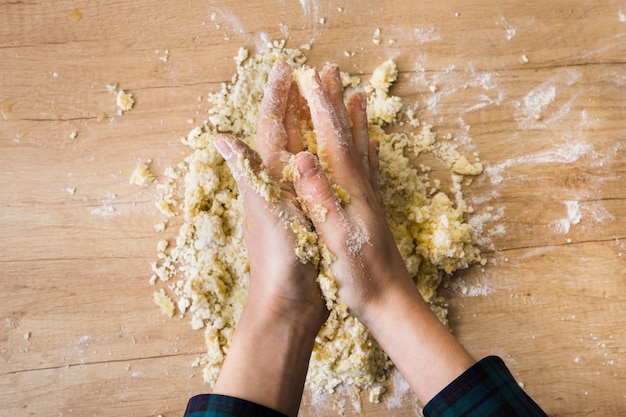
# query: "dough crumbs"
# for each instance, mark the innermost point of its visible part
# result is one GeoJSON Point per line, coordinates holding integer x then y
{"type": "Point", "coordinates": [376, 38]}
{"type": "Point", "coordinates": [124, 101]}
{"type": "Point", "coordinates": [381, 107]}
{"type": "Point", "coordinates": [164, 302]}
{"type": "Point", "coordinates": [141, 175]}
{"type": "Point", "coordinates": [208, 261]}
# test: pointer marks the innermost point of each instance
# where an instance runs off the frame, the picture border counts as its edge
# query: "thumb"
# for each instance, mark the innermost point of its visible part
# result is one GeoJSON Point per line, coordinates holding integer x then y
{"type": "Point", "coordinates": [247, 168]}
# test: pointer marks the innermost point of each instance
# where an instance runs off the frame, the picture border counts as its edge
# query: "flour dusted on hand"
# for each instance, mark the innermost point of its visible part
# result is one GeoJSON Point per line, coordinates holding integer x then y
{"type": "Point", "coordinates": [208, 271]}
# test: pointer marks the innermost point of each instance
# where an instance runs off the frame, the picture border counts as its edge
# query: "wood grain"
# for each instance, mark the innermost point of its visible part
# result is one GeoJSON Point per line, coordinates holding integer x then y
{"type": "Point", "coordinates": [79, 332]}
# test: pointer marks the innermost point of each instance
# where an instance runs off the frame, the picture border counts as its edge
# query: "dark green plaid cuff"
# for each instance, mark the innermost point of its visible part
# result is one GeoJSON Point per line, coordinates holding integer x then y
{"type": "Point", "coordinates": [487, 389]}
{"type": "Point", "coordinates": [213, 405]}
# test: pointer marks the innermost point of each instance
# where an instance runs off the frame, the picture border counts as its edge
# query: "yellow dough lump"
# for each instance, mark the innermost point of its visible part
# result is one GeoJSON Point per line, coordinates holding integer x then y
{"type": "Point", "coordinates": [208, 269]}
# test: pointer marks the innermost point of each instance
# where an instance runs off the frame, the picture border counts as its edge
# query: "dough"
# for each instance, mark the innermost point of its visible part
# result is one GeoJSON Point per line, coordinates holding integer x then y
{"type": "Point", "coordinates": [207, 269]}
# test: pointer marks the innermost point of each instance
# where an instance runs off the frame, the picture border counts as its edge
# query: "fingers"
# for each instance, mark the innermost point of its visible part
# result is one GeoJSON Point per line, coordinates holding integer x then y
{"type": "Point", "coordinates": [331, 80]}
{"type": "Point", "coordinates": [332, 139]}
{"type": "Point", "coordinates": [356, 109]}
{"type": "Point", "coordinates": [341, 130]}
{"type": "Point", "coordinates": [247, 168]}
{"type": "Point", "coordinates": [374, 166]}
{"type": "Point", "coordinates": [316, 193]}
{"type": "Point", "coordinates": [292, 120]}
{"type": "Point", "coordinates": [275, 129]}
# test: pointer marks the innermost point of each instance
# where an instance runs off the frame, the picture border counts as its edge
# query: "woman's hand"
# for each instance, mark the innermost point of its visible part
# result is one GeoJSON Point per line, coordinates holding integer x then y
{"type": "Point", "coordinates": [368, 264]}
{"type": "Point", "coordinates": [279, 278]}
{"type": "Point", "coordinates": [269, 355]}
{"type": "Point", "coordinates": [371, 276]}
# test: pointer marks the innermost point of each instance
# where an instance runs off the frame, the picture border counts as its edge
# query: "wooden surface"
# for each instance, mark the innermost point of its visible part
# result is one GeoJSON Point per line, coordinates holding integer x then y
{"type": "Point", "coordinates": [79, 333]}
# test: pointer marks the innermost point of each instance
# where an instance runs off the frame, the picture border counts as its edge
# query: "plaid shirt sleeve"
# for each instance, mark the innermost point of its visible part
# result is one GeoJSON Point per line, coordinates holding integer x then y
{"type": "Point", "coordinates": [213, 405]}
{"type": "Point", "coordinates": [487, 389]}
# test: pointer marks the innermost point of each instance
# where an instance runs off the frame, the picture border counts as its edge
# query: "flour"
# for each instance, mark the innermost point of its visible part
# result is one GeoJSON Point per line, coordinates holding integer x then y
{"type": "Point", "coordinates": [565, 153]}
{"type": "Point", "coordinates": [107, 208]}
{"type": "Point", "coordinates": [573, 217]}
{"type": "Point", "coordinates": [537, 100]}
{"type": "Point", "coordinates": [399, 391]}
{"type": "Point", "coordinates": [479, 221]}
{"type": "Point", "coordinates": [510, 30]}
{"type": "Point", "coordinates": [425, 35]}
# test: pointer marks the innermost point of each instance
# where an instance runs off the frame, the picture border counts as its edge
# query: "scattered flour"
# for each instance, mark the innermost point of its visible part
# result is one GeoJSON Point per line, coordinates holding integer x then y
{"type": "Point", "coordinates": [536, 108]}
{"type": "Point", "coordinates": [537, 100]}
{"type": "Point", "coordinates": [565, 153]}
{"type": "Point", "coordinates": [106, 208]}
{"type": "Point", "coordinates": [510, 30]}
{"type": "Point", "coordinates": [425, 35]}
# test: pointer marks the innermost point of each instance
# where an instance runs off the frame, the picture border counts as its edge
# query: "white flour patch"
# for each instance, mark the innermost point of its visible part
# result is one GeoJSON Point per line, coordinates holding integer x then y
{"type": "Point", "coordinates": [621, 16]}
{"type": "Point", "coordinates": [84, 340]}
{"type": "Point", "coordinates": [566, 153]}
{"type": "Point", "coordinates": [574, 216]}
{"type": "Point", "coordinates": [510, 30]}
{"type": "Point", "coordinates": [596, 212]}
{"type": "Point", "coordinates": [400, 389]}
{"type": "Point", "coordinates": [489, 215]}
{"type": "Point", "coordinates": [481, 79]}
{"type": "Point", "coordinates": [619, 148]}
{"type": "Point", "coordinates": [485, 198]}
{"type": "Point", "coordinates": [560, 113]}
{"type": "Point", "coordinates": [106, 210]}
{"type": "Point", "coordinates": [424, 35]}
{"type": "Point", "coordinates": [463, 136]}
{"type": "Point", "coordinates": [538, 99]}
{"type": "Point", "coordinates": [536, 109]}
{"type": "Point", "coordinates": [310, 10]}
{"type": "Point", "coordinates": [229, 24]}
{"type": "Point", "coordinates": [284, 30]}
{"type": "Point", "coordinates": [621, 246]}
{"type": "Point", "coordinates": [472, 288]}
{"type": "Point", "coordinates": [476, 290]}
{"type": "Point", "coordinates": [450, 80]}
{"type": "Point", "coordinates": [483, 101]}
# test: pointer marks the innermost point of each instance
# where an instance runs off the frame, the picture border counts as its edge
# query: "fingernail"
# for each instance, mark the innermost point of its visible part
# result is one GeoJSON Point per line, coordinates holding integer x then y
{"type": "Point", "coordinates": [362, 101]}
{"type": "Point", "coordinates": [306, 165]}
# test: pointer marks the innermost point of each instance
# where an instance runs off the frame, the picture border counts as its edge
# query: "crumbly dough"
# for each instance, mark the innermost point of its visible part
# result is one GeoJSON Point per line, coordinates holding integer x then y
{"type": "Point", "coordinates": [141, 175]}
{"type": "Point", "coordinates": [207, 269]}
{"type": "Point", "coordinates": [124, 101]}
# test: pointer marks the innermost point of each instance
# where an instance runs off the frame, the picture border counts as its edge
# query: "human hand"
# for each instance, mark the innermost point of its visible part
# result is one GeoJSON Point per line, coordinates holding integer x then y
{"type": "Point", "coordinates": [371, 276]}
{"type": "Point", "coordinates": [367, 265]}
{"type": "Point", "coordinates": [285, 281]}
{"type": "Point", "coordinates": [268, 357]}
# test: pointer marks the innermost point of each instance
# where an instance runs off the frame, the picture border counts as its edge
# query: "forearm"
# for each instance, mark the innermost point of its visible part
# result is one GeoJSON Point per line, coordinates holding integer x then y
{"type": "Point", "coordinates": [268, 360]}
{"type": "Point", "coordinates": [423, 349]}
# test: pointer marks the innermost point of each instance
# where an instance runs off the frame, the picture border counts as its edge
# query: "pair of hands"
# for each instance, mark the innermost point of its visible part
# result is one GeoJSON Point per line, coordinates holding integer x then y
{"type": "Point", "coordinates": [356, 234]}
{"type": "Point", "coordinates": [268, 358]}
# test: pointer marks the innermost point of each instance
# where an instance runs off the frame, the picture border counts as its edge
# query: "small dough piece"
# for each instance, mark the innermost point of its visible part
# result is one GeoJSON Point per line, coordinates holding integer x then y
{"type": "Point", "coordinates": [165, 303]}
{"type": "Point", "coordinates": [141, 175]}
{"type": "Point", "coordinates": [124, 101]}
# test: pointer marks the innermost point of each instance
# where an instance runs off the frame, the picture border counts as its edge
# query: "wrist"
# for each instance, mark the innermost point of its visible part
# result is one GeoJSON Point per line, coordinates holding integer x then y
{"type": "Point", "coordinates": [268, 359]}
{"type": "Point", "coordinates": [301, 319]}
{"type": "Point", "coordinates": [421, 347]}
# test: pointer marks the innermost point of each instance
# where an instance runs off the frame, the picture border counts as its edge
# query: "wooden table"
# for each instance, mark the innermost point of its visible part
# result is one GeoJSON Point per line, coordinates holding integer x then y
{"type": "Point", "coordinates": [537, 88]}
